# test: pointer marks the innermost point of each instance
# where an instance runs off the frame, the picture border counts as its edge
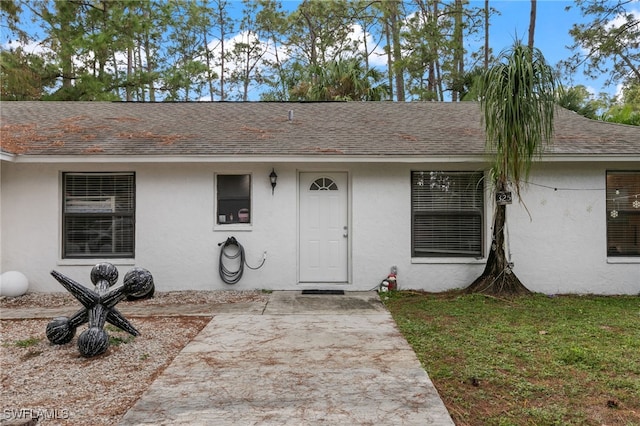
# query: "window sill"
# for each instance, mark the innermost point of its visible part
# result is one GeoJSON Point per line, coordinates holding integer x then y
{"type": "Point", "coordinates": [623, 259]}
{"type": "Point", "coordinates": [448, 260]}
{"type": "Point", "coordinates": [94, 261]}
{"type": "Point", "coordinates": [233, 227]}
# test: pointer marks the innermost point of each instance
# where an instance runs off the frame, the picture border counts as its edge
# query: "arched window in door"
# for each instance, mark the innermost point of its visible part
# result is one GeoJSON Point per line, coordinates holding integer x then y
{"type": "Point", "coordinates": [323, 184]}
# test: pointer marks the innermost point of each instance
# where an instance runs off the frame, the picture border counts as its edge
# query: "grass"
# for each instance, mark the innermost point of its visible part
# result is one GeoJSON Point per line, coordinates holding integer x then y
{"type": "Point", "coordinates": [27, 343]}
{"type": "Point", "coordinates": [117, 336]}
{"type": "Point", "coordinates": [534, 360]}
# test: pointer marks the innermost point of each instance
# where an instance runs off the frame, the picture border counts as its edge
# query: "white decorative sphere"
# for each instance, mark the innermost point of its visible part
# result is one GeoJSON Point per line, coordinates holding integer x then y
{"type": "Point", "coordinates": [13, 284]}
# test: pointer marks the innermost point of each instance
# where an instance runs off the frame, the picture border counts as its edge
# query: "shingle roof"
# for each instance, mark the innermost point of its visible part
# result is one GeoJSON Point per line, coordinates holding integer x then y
{"type": "Point", "coordinates": [264, 129]}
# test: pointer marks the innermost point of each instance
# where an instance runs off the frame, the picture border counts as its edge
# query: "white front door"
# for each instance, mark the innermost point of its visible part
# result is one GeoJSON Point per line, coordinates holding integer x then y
{"type": "Point", "coordinates": [323, 228]}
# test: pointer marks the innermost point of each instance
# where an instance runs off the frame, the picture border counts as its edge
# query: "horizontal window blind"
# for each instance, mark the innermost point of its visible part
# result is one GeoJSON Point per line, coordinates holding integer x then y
{"type": "Point", "coordinates": [623, 213]}
{"type": "Point", "coordinates": [98, 215]}
{"type": "Point", "coordinates": [447, 214]}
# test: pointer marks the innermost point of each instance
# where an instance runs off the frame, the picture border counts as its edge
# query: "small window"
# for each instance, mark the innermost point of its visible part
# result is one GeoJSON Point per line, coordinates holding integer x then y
{"type": "Point", "coordinates": [623, 213]}
{"type": "Point", "coordinates": [234, 199]}
{"type": "Point", "coordinates": [447, 211]}
{"type": "Point", "coordinates": [98, 211]}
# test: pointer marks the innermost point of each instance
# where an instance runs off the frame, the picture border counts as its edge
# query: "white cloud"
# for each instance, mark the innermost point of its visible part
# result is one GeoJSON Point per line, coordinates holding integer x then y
{"type": "Point", "coordinates": [377, 57]}
{"type": "Point", "coordinates": [267, 49]}
{"type": "Point", "coordinates": [33, 47]}
{"type": "Point", "coordinates": [621, 19]}
{"type": "Point", "coordinates": [38, 48]}
{"type": "Point", "coordinates": [618, 94]}
{"type": "Point", "coordinates": [592, 91]}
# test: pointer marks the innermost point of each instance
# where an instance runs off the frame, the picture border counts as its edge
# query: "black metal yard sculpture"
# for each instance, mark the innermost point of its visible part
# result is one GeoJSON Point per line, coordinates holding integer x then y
{"type": "Point", "coordinates": [98, 307]}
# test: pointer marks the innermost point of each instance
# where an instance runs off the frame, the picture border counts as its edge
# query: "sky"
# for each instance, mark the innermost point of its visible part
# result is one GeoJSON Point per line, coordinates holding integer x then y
{"type": "Point", "coordinates": [551, 33]}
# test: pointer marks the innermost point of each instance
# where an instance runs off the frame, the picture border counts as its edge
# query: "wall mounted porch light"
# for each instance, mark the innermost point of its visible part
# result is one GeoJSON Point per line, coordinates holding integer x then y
{"type": "Point", "coordinates": [273, 177]}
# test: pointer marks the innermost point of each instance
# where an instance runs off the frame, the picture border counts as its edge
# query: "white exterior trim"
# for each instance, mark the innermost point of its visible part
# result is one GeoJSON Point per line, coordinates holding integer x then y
{"type": "Point", "coordinates": [333, 159]}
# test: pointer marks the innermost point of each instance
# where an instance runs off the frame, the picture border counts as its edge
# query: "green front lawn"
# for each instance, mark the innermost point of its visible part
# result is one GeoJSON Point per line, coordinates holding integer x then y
{"type": "Point", "coordinates": [535, 360]}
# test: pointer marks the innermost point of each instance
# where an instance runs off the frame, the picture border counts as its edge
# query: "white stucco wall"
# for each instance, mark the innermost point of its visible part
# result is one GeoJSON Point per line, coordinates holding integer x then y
{"type": "Point", "coordinates": [561, 249]}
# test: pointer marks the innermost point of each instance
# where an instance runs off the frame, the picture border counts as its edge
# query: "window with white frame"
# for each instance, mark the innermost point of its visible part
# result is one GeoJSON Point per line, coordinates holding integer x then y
{"type": "Point", "coordinates": [447, 214]}
{"type": "Point", "coordinates": [98, 215]}
{"type": "Point", "coordinates": [233, 199]}
{"type": "Point", "coordinates": [623, 213]}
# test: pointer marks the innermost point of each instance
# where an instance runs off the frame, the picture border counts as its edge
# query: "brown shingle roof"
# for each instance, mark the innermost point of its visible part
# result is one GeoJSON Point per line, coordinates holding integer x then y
{"type": "Point", "coordinates": [264, 129]}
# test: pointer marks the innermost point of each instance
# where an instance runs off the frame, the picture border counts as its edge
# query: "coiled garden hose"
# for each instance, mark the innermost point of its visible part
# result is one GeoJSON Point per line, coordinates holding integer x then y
{"type": "Point", "coordinates": [231, 250]}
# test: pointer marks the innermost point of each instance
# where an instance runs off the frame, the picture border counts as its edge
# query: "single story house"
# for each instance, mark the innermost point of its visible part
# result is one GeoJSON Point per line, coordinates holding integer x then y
{"type": "Point", "coordinates": [321, 195]}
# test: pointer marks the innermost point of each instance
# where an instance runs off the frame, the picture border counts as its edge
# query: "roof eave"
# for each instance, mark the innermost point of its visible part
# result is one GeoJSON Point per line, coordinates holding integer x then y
{"type": "Point", "coordinates": [590, 158]}
{"type": "Point", "coordinates": [332, 158]}
{"type": "Point", "coordinates": [7, 156]}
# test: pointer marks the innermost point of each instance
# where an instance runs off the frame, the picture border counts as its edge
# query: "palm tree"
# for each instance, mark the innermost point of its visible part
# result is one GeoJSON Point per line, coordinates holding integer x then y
{"type": "Point", "coordinates": [341, 80]}
{"type": "Point", "coordinates": [518, 104]}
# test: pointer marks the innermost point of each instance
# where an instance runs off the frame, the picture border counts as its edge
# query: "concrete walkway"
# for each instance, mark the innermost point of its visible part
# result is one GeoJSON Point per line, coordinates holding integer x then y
{"type": "Point", "coordinates": [300, 360]}
{"type": "Point", "coordinates": [294, 360]}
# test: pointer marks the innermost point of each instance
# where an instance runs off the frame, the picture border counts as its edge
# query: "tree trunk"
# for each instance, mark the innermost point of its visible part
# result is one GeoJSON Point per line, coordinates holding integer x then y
{"type": "Point", "coordinates": [532, 23]}
{"type": "Point", "coordinates": [458, 54]}
{"type": "Point", "coordinates": [150, 67]}
{"type": "Point", "coordinates": [431, 78]}
{"type": "Point", "coordinates": [141, 90]}
{"type": "Point", "coordinates": [116, 74]}
{"type": "Point", "coordinates": [247, 73]}
{"type": "Point", "coordinates": [498, 279]}
{"type": "Point", "coordinates": [397, 55]}
{"type": "Point", "coordinates": [440, 89]}
{"type": "Point", "coordinates": [222, 62]}
{"type": "Point", "coordinates": [366, 48]}
{"type": "Point", "coordinates": [207, 56]}
{"type": "Point", "coordinates": [486, 35]}
{"type": "Point", "coordinates": [129, 97]}
{"type": "Point", "coordinates": [387, 32]}
{"type": "Point", "coordinates": [634, 69]}
{"type": "Point", "coordinates": [395, 51]}
{"type": "Point", "coordinates": [434, 72]}
{"type": "Point", "coordinates": [65, 54]}
{"type": "Point", "coordinates": [221, 16]}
